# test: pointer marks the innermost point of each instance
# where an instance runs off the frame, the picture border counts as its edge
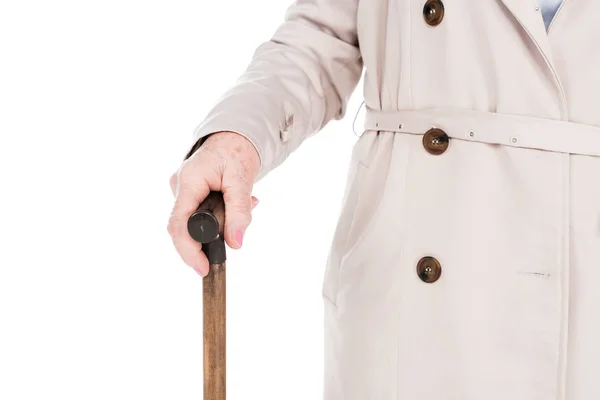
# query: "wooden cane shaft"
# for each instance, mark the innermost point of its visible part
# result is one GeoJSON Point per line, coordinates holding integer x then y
{"type": "Point", "coordinates": [214, 308]}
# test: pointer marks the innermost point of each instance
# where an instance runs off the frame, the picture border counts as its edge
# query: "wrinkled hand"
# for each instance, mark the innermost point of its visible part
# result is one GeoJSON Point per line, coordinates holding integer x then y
{"type": "Point", "coordinates": [226, 162]}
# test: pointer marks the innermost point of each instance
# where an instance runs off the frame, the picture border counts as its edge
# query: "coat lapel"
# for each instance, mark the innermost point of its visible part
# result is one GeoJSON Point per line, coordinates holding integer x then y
{"type": "Point", "coordinates": [531, 21]}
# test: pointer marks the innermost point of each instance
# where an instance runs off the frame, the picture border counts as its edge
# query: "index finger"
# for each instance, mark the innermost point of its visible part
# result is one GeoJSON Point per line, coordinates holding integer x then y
{"type": "Point", "coordinates": [188, 196]}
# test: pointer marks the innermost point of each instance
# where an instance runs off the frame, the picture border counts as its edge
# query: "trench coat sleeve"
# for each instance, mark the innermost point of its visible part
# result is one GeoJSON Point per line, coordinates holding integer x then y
{"type": "Point", "coordinates": [296, 82]}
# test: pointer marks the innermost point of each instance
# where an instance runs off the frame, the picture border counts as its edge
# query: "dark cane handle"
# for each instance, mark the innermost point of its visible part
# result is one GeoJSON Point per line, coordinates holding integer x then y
{"type": "Point", "coordinates": [206, 226]}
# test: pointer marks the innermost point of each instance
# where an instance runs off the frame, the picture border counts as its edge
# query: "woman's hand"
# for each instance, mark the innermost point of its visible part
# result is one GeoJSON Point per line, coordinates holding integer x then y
{"type": "Point", "coordinates": [226, 162]}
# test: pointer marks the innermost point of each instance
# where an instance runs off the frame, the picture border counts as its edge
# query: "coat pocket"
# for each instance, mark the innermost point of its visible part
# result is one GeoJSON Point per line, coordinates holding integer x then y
{"type": "Point", "coordinates": [361, 208]}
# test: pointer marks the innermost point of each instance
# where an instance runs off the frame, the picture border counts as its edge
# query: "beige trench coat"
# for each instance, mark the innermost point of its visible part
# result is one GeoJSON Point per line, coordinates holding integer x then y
{"type": "Point", "coordinates": [507, 204]}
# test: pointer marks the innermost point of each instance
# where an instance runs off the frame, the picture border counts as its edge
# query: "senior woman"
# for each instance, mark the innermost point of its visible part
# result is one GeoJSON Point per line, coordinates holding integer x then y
{"type": "Point", "coordinates": [466, 261]}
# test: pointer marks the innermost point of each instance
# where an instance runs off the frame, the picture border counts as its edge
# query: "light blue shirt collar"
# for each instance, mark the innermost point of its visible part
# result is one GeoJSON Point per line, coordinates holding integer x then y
{"type": "Point", "coordinates": [549, 8]}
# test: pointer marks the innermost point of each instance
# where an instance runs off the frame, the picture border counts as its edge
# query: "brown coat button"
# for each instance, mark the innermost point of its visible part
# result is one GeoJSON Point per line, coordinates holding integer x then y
{"type": "Point", "coordinates": [433, 12]}
{"type": "Point", "coordinates": [429, 269]}
{"type": "Point", "coordinates": [435, 141]}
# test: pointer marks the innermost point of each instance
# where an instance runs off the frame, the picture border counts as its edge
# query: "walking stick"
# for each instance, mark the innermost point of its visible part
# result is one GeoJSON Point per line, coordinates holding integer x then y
{"type": "Point", "coordinates": [205, 225]}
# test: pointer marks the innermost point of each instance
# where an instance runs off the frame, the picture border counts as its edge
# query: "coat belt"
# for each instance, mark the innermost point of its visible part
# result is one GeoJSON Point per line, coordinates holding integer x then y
{"type": "Point", "coordinates": [494, 128]}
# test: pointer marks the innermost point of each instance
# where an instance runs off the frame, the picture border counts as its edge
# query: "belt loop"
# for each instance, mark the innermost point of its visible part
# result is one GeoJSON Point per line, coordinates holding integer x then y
{"type": "Point", "coordinates": [354, 122]}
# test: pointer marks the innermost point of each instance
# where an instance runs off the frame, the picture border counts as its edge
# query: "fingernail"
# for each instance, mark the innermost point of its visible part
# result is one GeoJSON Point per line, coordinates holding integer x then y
{"type": "Point", "coordinates": [239, 236]}
{"type": "Point", "coordinates": [254, 203]}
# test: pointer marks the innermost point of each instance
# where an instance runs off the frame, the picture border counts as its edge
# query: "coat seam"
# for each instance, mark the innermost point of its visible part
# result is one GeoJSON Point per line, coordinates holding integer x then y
{"type": "Point", "coordinates": [564, 278]}
{"type": "Point", "coordinates": [405, 175]}
{"type": "Point", "coordinates": [410, 48]}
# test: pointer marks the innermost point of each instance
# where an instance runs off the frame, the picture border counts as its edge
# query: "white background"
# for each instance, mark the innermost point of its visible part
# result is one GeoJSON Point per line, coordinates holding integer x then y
{"type": "Point", "coordinates": [98, 101]}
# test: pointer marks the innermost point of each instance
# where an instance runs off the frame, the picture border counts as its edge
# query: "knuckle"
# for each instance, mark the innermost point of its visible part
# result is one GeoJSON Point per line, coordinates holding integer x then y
{"type": "Point", "coordinates": [185, 175]}
{"type": "Point", "coordinates": [208, 159]}
{"type": "Point", "coordinates": [173, 226]}
{"type": "Point", "coordinates": [193, 179]}
{"type": "Point", "coordinates": [170, 230]}
{"type": "Point", "coordinates": [239, 207]}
